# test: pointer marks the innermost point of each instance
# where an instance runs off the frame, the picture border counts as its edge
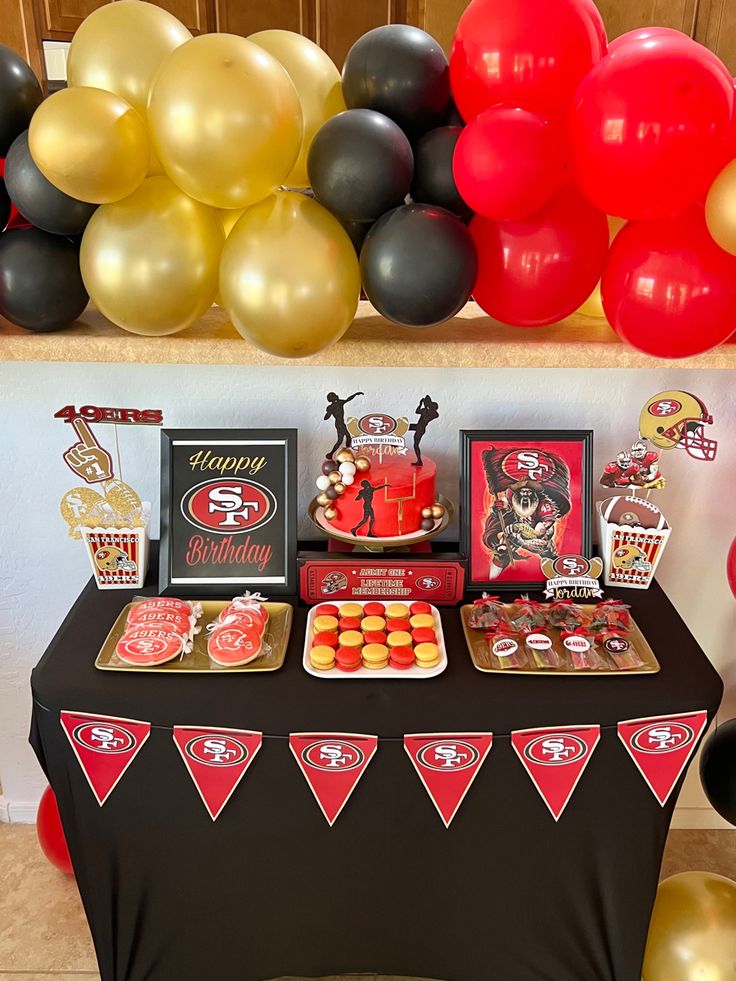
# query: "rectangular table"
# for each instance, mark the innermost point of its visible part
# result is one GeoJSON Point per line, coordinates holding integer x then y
{"type": "Point", "coordinates": [506, 894]}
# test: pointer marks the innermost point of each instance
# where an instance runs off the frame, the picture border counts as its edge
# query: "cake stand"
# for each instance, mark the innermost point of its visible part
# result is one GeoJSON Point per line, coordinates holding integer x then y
{"type": "Point", "coordinates": [397, 543]}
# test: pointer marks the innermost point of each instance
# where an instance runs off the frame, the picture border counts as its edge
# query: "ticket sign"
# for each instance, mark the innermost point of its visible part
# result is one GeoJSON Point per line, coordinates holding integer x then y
{"type": "Point", "coordinates": [228, 511]}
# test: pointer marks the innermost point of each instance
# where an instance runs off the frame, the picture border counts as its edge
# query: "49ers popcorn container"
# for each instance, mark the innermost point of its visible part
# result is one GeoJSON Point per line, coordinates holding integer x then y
{"type": "Point", "coordinates": [119, 556]}
{"type": "Point", "coordinates": [634, 533]}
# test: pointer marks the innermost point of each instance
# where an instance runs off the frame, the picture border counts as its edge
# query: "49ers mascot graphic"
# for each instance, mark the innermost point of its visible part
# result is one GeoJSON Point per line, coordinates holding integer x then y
{"type": "Point", "coordinates": [530, 493]}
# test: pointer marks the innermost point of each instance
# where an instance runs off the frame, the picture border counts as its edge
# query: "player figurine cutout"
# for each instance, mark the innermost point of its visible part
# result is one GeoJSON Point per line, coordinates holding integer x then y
{"type": "Point", "coordinates": [428, 411]}
{"type": "Point", "coordinates": [336, 411]}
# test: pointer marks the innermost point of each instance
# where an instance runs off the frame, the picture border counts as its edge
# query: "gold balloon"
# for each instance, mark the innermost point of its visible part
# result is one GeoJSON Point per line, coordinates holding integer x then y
{"type": "Point", "coordinates": [289, 276]}
{"type": "Point", "coordinates": [225, 120]}
{"type": "Point", "coordinates": [692, 933]}
{"type": "Point", "coordinates": [121, 46]}
{"type": "Point", "coordinates": [593, 306]}
{"type": "Point", "coordinates": [230, 218]}
{"type": "Point", "coordinates": [90, 144]}
{"type": "Point", "coordinates": [720, 208]}
{"type": "Point", "coordinates": [317, 81]}
{"type": "Point", "coordinates": [150, 262]}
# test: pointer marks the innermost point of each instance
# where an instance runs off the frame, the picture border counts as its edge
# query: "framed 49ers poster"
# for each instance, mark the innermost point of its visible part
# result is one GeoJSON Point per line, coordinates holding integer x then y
{"type": "Point", "coordinates": [526, 496]}
{"type": "Point", "coordinates": [228, 511]}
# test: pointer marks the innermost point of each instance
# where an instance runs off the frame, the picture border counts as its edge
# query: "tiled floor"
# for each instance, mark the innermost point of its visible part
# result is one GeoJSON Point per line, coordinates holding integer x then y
{"type": "Point", "coordinates": [44, 936]}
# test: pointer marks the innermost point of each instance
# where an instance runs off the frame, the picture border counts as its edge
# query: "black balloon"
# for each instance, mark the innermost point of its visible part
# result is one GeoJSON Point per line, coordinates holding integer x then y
{"type": "Point", "coordinates": [718, 770]}
{"type": "Point", "coordinates": [433, 181]}
{"type": "Point", "coordinates": [418, 265]}
{"type": "Point", "coordinates": [400, 71]}
{"type": "Point", "coordinates": [20, 94]}
{"type": "Point", "coordinates": [452, 116]}
{"type": "Point", "coordinates": [41, 286]}
{"type": "Point", "coordinates": [42, 204]}
{"type": "Point", "coordinates": [360, 165]}
{"type": "Point", "coordinates": [4, 205]}
{"type": "Point", "coordinates": [357, 230]}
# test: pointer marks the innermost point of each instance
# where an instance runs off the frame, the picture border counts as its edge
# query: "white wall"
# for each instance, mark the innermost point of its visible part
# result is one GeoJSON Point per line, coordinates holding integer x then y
{"type": "Point", "coordinates": [42, 570]}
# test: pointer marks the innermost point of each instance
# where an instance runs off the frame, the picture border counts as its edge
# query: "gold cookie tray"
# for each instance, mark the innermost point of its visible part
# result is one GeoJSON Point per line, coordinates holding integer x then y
{"type": "Point", "coordinates": [482, 658]}
{"type": "Point", "coordinates": [197, 661]}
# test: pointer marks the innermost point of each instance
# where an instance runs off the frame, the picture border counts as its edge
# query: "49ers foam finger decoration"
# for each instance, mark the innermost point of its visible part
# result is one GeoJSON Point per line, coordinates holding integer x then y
{"type": "Point", "coordinates": [104, 746]}
{"type": "Point", "coordinates": [216, 760]}
{"type": "Point", "coordinates": [447, 764]}
{"type": "Point", "coordinates": [662, 746]}
{"type": "Point", "coordinates": [332, 764]}
{"type": "Point", "coordinates": [111, 416]}
{"type": "Point", "coordinates": [671, 420]}
{"type": "Point", "coordinates": [555, 759]}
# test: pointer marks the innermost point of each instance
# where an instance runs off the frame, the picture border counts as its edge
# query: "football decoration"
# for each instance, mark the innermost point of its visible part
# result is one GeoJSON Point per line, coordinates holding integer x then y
{"type": "Point", "coordinates": [633, 511]}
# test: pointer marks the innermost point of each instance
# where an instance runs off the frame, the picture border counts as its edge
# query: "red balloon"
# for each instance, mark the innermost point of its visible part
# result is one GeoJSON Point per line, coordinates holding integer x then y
{"type": "Point", "coordinates": [668, 289]}
{"type": "Point", "coordinates": [539, 269]}
{"type": "Point", "coordinates": [532, 54]}
{"type": "Point", "coordinates": [51, 834]}
{"type": "Point", "coordinates": [644, 34]}
{"type": "Point", "coordinates": [650, 126]}
{"type": "Point", "coordinates": [731, 567]}
{"type": "Point", "coordinates": [509, 162]}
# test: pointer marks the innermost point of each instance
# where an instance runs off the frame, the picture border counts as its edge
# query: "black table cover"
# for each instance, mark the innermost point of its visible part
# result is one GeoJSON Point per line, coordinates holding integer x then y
{"type": "Point", "coordinates": [505, 894]}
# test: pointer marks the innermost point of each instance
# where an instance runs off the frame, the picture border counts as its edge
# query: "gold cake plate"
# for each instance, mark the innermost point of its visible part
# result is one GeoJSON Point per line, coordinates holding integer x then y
{"type": "Point", "coordinates": [197, 661]}
{"type": "Point", "coordinates": [482, 658]}
{"type": "Point", "coordinates": [364, 544]}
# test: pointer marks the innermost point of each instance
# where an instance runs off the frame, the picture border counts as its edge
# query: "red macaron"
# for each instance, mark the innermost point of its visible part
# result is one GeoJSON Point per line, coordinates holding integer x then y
{"type": "Point", "coordinates": [349, 623]}
{"type": "Point", "coordinates": [420, 607]}
{"type": "Point", "coordinates": [423, 635]}
{"type": "Point", "coordinates": [348, 659]}
{"type": "Point", "coordinates": [393, 625]}
{"type": "Point", "coordinates": [326, 610]}
{"type": "Point", "coordinates": [326, 639]}
{"type": "Point", "coordinates": [374, 610]}
{"type": "Point", "coordinates": [401, 657]}
{"type": "Point", "coordinates": [374, 637]}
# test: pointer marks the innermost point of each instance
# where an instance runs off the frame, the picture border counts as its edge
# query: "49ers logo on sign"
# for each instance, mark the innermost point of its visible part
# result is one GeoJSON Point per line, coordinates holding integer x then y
{"type": "Point", "coordinates": [216, 750]}
{"type": "Point", "coordinates": [377, 424]}
{"type": "Point", "coordinates": [227, 507]}
{"type": "Point", "coordinates": [216, 760]}
{"type": "Point", "coordinates": [571, 565]}
{"type": "Point", "coordinates": [556, 749]}
{"type": "Point", "coordinates": [662, 747]}
{"type": "Point", "coordinates": [442, 755]}
{"type": "Point", "coordinates": [665, 407]}
{"type": "Point", "coordinates": [429, 582]}
{"type": "Point", "coordinates": [104, 747]}
{"type": "Point", "coordinates": [533, 464]}
{"type": "Point", "coordinates": [332, 764]}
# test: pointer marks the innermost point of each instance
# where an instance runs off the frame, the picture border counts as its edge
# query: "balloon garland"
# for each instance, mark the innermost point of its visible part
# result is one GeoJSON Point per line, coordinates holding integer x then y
{"type": "Point", "coordinates": [273, 183]}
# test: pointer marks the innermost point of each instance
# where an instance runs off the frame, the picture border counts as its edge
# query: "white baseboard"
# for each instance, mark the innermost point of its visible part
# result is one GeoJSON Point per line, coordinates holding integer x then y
{"type": "Point", "coordinates": [17, 811]}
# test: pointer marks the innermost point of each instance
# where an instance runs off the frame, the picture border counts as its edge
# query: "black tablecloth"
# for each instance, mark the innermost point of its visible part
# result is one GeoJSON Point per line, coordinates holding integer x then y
{"type": "Point", "coordinates": [505, 894]}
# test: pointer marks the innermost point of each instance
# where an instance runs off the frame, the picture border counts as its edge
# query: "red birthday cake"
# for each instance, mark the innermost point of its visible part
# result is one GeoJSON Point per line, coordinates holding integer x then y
{"type": "Point", "coordinates": [375, 486]}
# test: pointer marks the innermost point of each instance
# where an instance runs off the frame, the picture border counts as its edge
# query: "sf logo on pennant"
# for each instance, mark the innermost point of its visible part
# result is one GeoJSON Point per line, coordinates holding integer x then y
{"type": "Point", "coordinates": [104, 738]}
{"type": "Point", "coordinates": [448, 755]}
{"type": "Point", "coordinates": [549, 750]}
{"type": "Point", "coordinates": [333, 756]}
{"type": "Point", "coordinates": [663, 737]}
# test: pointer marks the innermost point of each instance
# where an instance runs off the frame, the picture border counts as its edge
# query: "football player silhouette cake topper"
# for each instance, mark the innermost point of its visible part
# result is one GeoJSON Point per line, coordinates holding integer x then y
{"type": "Point", "coordinates": [107, 513]}
{"type": "Point", "coordinates": [370, 488]}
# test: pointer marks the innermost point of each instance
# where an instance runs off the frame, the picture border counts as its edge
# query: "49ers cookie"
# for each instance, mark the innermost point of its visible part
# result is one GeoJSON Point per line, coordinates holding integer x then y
{"type": "Point", "coordinates": [148, 646]}
{"type": "Point", "coordinates": [163, 603]}
{"type": "Point", "coordinates": [177, 619]}
{"type": "Point", "coordinates": [231, 645]}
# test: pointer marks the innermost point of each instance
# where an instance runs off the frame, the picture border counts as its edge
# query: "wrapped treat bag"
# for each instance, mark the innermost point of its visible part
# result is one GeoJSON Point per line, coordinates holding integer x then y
{"type": "Point", "coordinates": [162, 611]}
{"type": "Point", "coordinates": [488, 613]}
{"type": "Point", "coordinates": [150, 646]}
{"type": "Point", "coordinates": [580, 645]}
{"type": "Point", "coordinates": [237, 637]}
{"type": "Point", "coordinates": [507, 649]}
{"type": "Point", "coordinates": [620, 650]}
{"type": "Point", "coordinates": [610, 615]}
{"type": "Point", "coordinates": [566, 615]}
{"type": "Point", "coordinates": [530, 615]}
{"type": "Point", "coordinates": [540, 648]}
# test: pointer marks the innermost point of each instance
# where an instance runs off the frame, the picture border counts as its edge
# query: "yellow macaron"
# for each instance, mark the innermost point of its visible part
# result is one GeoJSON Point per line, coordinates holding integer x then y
{"type": "Point", "coordinates": [351, 638]}
{"type": "Point", "coordinates": [399, 638]}
{"type": "Point", "coordinates": [351, 610]}
{"type": "Point", "coordinates": [372, 623]}
{"type": "Point", "coordinates": [322, 657]}
{"type": "Point", "coordinates": [324, 624]}
{"type": "Point", "coordinates": [422, 620]}
{"type": "Point", "coordinates": [427, 655]}
{"type": "Point", "coordinates": [375, 656]}
{"type": "Point", "coordinates": [397, 611]}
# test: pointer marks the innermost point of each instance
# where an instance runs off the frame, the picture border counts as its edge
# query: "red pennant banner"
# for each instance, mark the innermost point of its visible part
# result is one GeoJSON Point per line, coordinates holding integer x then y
{"type": "Point", "coordinates": [332, 763]}
{"type": "Point", "coordinates": [555, 759]}
{"type": "Point", "coordinates": [447, 765]}
{"type": "Point", "coordinates": [105, 747]}
{"type": "Point", "coordinates": [216, 760]}
{"type": "Point", "coordinates": [661, 747]}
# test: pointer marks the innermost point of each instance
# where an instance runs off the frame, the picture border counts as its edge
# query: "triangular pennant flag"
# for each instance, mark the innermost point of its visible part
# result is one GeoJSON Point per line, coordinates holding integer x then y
{"type": "Point", "coordinates": [333, 763]}
{"type": "Point", "coordinates": [555, 759]}
{"type": "Point", "coordinates": [217, 760]}
{"type": "Point", "coordinates": [661, 747]}
{"type": "Point", "coordinates": [447, 764]}
{"type": "Point", "coordinates": [105, 747]}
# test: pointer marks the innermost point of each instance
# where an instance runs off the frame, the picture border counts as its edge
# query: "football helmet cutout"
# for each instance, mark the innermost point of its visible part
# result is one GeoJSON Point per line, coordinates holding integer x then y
{"type": "Point", "coordinates": [630, 557]}
{"type": "Point", "coordinates": [110, 558]}
{"type": "Point", "coordinates": [672, 419]}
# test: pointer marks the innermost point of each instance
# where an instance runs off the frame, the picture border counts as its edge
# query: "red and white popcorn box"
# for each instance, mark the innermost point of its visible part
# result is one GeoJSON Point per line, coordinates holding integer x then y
{"type": "Point", "coordinates": [633, 537]}
{"type": "Point", "coordinates": [119, 556]}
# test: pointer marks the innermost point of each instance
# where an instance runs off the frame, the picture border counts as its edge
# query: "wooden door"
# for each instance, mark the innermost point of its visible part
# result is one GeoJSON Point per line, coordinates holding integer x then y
{"type": "Point", "coordinates": [246, 17]}
{"type": "Point", "coordinates": [715, 27]}
{"type": "Point", "coordinates": [19, 31]}
{"type": "Point", "coordinates": [59, 19]}
{"type": "Point", "coordinates": [626, 15]}
{"type": "Point", "coordinates": [192, 13]}
{"type": "Point", "coordinates": [437, 17]}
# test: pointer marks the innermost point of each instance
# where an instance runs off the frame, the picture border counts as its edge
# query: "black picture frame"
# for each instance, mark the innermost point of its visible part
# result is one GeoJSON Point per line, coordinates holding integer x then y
{"type": "Point", "coordinates": [468, 527]}
{"type": "Point", "coordinates": [278, 447]}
